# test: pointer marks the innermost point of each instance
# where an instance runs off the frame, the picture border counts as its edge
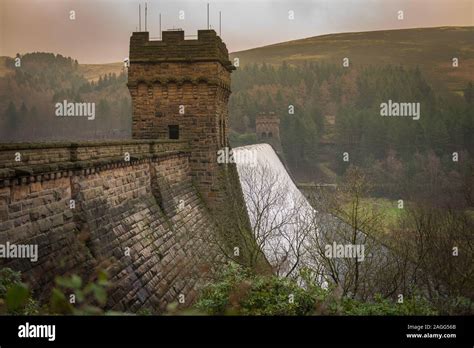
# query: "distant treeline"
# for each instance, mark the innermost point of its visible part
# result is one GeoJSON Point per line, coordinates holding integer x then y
{"type": "Point", "coordinates": [30, 92]}
{"type": "Point", "coordinates": [340, 107]}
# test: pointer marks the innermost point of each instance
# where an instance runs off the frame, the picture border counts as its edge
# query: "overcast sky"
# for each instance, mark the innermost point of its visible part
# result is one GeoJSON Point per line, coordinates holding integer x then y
{"type": "Point", "coordinates": [102, 28]}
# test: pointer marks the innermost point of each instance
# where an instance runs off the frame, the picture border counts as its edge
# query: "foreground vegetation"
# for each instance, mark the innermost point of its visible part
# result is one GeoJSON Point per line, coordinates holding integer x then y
{"type": "Point", "coordinates": [240, 292]}
{"type": "Point", "coordinates": [236, 291]}
{"type": "Point", "coordinates": [70, 295]}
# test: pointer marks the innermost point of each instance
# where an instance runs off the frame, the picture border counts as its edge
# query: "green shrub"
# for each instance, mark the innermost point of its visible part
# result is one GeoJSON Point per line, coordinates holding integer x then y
{"type": "Point", "coordinates": [71, 296]}
{"type": "Point", "coordinates": [15, 297]}
{"type": "Point", "coordinates": [8, 277]}
{"type": "Point", "coordinates": [238, 291]}
{"type": "Point", "coordinates": [381, 306]}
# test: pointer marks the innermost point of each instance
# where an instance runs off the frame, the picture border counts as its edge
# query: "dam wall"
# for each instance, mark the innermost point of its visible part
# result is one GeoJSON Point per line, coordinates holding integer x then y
{"type": "Point", "coordinates": [128, 207]}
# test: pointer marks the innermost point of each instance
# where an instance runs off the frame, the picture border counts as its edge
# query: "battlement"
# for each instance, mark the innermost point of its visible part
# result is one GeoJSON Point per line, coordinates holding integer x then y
{"type": "Point", "coordinates": [175, 48]}
{"type": "Point", "coordinates": [267, 118]}
{"type": "Point", "coordinates": [267, 125]}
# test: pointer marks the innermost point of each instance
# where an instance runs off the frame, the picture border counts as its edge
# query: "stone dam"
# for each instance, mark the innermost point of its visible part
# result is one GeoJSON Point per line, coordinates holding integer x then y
{"type": "Point", "coordinates": [150, 210]}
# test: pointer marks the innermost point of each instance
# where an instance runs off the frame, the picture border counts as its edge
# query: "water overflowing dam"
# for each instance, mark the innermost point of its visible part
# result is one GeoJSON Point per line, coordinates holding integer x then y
{"type": "Point", "coordinates": [281, 217]}
{"type": "Point", "coordinates": [292, 234]}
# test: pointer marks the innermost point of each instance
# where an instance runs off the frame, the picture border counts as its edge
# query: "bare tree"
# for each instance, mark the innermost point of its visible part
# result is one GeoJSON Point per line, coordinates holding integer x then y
{"type": "Point", "coordinates": [278, 215]}
{"type": "Point", "coordinates": [343, 219]}
{"type": "Point", "coordinates": [439, 246]}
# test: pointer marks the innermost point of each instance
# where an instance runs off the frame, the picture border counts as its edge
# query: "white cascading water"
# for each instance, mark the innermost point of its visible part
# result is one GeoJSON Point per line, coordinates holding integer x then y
{"type": "Point", "coordinates": [291, 233]}
{"type": "Point", "coordinates": [281, 217]}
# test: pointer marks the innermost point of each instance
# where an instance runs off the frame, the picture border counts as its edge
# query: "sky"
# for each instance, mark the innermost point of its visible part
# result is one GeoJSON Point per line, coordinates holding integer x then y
{"type": "Point", "coordinates": [101, 30]}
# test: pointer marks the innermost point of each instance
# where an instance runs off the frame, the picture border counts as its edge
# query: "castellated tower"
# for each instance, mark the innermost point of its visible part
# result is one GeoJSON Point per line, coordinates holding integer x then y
{"type": "Point", "coordinates": [267, 127]}
{"type": "Point", "coordinates": [180, 90]}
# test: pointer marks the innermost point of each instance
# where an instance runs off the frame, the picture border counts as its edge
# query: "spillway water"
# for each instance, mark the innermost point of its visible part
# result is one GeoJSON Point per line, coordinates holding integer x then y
{"type": "Point", "coordinates": [291, 233]}
{"type": "Point", "coordinates": [294, 236]}
{"type": "Point", "coordinates": [281, 217]}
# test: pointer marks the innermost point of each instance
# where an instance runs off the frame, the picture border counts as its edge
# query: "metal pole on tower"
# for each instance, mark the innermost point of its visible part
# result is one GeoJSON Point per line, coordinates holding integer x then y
{"type": "Point", "coordinates": [139, 17]}
{"type": "Point", "coordinates": [160, 25]}
{"type": "Point", "coordinates": [207, 15]}
{"type": "Point", "coordinates": [146, 13]}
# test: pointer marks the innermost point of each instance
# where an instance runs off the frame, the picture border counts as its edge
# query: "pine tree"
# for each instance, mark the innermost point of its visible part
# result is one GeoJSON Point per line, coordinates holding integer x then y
{"type": "Point", "coordinates": [469, 93]}
{"type": "Point", "coordinates": [11, 116]}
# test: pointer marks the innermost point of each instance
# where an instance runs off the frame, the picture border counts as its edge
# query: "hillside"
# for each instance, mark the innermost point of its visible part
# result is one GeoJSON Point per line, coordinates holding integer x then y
{"type": "Point", "coordinates": [28, 96]}
{"type": "Point", "coordinates": [92, 72]}
{"type": "Point", "coordinates": [432, 49]}
{"type": "Point", "coordinates": [337, 109]}
{"type": "Point", "coordinates": [4, 69]}
{"type": "Point", "coordinates": [429, 48]}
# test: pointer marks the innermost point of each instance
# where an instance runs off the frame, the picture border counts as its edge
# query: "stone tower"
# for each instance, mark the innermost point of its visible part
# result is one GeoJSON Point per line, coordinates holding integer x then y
{"type": "Point", "coordinates": [180, 90]}
{"type": "Point", "coordinates": [267, 127]}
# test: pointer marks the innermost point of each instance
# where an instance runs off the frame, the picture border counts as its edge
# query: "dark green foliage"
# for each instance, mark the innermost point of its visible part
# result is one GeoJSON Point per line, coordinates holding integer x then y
{"type": "Point", "coordinates": [337, 110]}
{"type": "Point", "coordinates": [239, 292]}
{"type": "Point", "coordinates": [8, 277]}
{"type": "Point", "coordinates": [47, 71]}
{"type": "Point", "coordinates": [45, 79]}
{"type": "Point", "coordinates": [15, 297]}
{"type": "Point", "coordinates": [87, 298]}
{"type": "Point", "coordinates": [11, 116]}
{"type": "Point", "coordinates": [416, 305]}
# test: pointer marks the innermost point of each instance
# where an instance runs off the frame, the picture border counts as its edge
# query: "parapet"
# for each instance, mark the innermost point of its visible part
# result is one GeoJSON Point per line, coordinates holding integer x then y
{"type": "Point", "coordinates": [27, 162]}
{"type": "Point", "coordinates": [175, 48]}
{"type": "Point", "coordinates": [270, 117]}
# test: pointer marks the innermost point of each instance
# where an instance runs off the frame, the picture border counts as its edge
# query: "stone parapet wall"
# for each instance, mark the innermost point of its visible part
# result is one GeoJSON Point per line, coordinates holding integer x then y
{"type": "Point", "coordinates": [30, 162]}
{"type": "Point", "coordinates": [55, 152]}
